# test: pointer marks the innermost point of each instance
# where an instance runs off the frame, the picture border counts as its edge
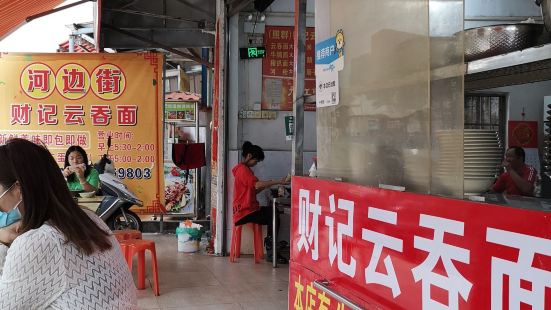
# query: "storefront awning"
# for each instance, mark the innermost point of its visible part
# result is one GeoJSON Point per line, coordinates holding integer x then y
{"type": "Point", "coordinates": [182, 96]}
{"type": "Point", "coordinates": [13, 13]}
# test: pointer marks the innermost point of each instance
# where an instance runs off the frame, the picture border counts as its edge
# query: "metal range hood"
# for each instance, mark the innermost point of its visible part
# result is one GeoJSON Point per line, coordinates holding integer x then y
{"type": "Point", "coordinates": [520, 67]}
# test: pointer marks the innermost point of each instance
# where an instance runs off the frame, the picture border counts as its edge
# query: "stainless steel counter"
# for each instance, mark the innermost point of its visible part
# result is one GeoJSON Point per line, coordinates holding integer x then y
{"type": "Point", "coordinates": [523, 202]}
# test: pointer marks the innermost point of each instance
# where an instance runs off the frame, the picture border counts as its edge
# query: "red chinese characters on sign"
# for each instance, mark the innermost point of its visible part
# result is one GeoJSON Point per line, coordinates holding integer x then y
{"type": "Point", "coordinates": [20, 114]}
{"type": "Point", "coordinates": [408, 251]}
{"type": "Point", "coordinates": [52, 140]}
{"type": "Point", "coordinates": [278, 68]}
{"type": "Point", "coordinates": [108, 81]}
{"type": "Point", "coordinates": [74, 115]}
{"type": "Point", "coordinates": [5, 137]}
{"type": "Point", "coordinates": [127, 115]}
{"type": "Point", "coordinates": [47, 139]}
{"type": "Point", "coordinates": [72, 81]}
{"type": "Point", "coordinates": [37, 80]}
{"type": "Point", "coordinates": [58, 140]}
{"type": "Point", "coordinates": [100, 115]}
{"type": "Point", "coordinates": [82, 140]}
{"type": "Point", "coordinates": [47, 114]}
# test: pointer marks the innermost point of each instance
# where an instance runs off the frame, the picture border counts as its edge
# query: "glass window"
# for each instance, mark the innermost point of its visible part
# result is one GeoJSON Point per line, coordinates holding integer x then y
{"type": "Point", "coordinates": [485, 111]}
{"type": "Point", "coordinates": [400, 89]}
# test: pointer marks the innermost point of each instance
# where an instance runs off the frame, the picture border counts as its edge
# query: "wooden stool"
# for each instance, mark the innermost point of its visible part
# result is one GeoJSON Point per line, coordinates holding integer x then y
{"type": "Point", "coordinates": [138, 247]}
{"type": "Point", "coordinates": [235, 248]}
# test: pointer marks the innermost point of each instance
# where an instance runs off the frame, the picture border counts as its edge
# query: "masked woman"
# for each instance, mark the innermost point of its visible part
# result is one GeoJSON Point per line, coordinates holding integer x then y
{"type": "Point", "coordinates": [60, 256]}
{"type": "Point", "coordinates": [79, 174]}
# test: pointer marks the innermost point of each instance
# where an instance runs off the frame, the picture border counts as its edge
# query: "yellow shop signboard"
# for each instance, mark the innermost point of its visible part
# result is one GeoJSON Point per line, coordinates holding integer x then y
{"type": "Point", "coordinates": [61, 100]}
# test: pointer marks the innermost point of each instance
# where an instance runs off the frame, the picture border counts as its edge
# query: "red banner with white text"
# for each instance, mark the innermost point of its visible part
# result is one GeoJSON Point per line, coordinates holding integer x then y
{"type": "Point", "coordinates": [408, 251]}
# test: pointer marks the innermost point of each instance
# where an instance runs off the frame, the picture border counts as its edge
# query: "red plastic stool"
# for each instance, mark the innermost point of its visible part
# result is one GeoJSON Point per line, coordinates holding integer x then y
{"type": "Point", "coordinates": [235, 248]}
{"type": "Point", "coordinates": [136, 246]}
{"type": "Point", "coordinates": [133, 234]}
{"type": "Point", "coordinates": [124, 244]}
{"type": "Point", "coordinates": [120, 235]}
{"type": "Point", "coordinates": [127, 234]}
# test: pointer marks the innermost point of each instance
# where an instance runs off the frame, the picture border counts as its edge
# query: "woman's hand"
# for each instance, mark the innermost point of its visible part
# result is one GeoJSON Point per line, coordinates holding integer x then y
{"type": "Point", "coordinates": [67, 172]}
{"type": "Point", "coordinates": [80, 173]}
{"type": "Point", "coordinates": [9, 233]}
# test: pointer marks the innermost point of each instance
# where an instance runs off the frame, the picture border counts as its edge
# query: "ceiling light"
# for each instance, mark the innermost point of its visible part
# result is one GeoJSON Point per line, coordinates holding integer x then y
{"type": "Point", "coordinates": [250, 17]}
{"type": "Point", "coordinates": [262, 17]}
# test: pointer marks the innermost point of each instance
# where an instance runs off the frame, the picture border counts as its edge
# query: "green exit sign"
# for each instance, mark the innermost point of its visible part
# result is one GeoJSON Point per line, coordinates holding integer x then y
{"type": "Point", "coordinates": [252, 52]}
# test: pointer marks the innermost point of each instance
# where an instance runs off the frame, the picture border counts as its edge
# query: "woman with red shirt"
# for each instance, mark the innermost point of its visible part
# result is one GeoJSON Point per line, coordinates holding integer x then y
{"type": "Point", "coordinates": [246, 208]}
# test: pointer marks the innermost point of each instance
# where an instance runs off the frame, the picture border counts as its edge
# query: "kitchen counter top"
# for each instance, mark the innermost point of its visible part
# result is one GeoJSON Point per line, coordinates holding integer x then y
{"type": "Point", "coordinates": [522, 202]}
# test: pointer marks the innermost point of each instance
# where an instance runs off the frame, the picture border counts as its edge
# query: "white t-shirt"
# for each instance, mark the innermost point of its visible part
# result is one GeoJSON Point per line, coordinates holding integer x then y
{"type": "Point", "coordinates": [41, 271]}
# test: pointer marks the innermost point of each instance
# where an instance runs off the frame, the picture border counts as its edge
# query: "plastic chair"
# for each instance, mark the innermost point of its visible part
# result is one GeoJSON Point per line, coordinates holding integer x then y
{"type": "Point", "coordinates": [133, 234]}
{"type": "Point", "coordinates": [138, 247]}
{"type": "Point", "coordinates": [235, 248]}
{"type": "Point", "coordinates": [127, 234]}
{"type": "Point", "coordinates": [124, 235]}
{"type": "Point", "coordinates": [124, 244]}
{"type": "Point", "coordinates": [119, 234]}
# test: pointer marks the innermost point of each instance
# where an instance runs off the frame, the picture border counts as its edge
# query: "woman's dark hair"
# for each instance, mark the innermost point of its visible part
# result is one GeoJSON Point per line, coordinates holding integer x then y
{"type": "Point", "coordinates": [519, 152]}
{"type": "Point", "coordinates": [46, 196]}
{"type": "Point", "coordinates": [75, 148]}
{"type": "Point", "coordinates": [255, 151]}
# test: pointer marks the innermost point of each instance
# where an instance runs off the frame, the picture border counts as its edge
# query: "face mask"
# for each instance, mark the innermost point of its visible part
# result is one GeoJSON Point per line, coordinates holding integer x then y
{"type": "Point", "coordinates": [8, 218]}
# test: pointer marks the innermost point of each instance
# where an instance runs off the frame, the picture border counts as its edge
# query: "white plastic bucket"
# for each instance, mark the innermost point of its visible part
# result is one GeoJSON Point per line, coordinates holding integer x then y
{"type": "Point", "coordinates": [187, 244]}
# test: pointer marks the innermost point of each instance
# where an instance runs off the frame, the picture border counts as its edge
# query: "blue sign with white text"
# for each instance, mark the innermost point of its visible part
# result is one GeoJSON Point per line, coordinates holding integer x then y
{"type": "Point", "coordinates": [326, 52]}
{"type": "Point", "coordinates": [331, 49]}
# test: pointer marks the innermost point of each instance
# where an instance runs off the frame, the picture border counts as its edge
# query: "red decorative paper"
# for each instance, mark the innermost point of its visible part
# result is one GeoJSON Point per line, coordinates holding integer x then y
{"type": "Point", "coordinates": [523, 134]}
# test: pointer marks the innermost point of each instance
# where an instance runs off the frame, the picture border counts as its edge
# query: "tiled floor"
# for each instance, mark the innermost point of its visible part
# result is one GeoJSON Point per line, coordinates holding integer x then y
{"type": "Point", "coordinates": [195, 281]}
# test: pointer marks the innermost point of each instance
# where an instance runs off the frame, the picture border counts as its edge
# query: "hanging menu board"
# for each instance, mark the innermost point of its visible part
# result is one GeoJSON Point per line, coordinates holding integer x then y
{"type": "Point", "coordinates": [278, 68]}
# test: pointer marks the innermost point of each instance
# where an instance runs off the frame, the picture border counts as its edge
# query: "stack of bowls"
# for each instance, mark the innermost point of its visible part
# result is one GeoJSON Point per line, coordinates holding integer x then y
{"type": "Point", "coordinates": [449, 162]}
{"type": "Point", "coordinates": [482, 154]}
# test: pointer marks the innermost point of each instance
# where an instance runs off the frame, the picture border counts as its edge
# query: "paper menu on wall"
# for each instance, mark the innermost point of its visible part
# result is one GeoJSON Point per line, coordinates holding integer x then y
{"type": "Point", "coordinates": [532, 158]}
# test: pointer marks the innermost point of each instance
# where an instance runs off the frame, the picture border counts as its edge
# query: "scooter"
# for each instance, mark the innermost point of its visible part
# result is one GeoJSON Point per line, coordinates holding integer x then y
{"type": "Point", "coordinates": [114, 209]}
